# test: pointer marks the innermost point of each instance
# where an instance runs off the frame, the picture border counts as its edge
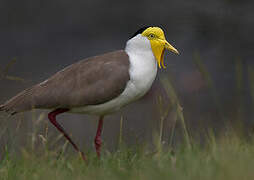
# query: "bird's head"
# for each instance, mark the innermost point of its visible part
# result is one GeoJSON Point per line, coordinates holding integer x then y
{"type": "Point", "coordinates": [158, 42]}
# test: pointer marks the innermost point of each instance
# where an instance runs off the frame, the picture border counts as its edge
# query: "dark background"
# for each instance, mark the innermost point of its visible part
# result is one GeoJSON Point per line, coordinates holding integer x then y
{"type": "Point", "coordinates": [46, 36]}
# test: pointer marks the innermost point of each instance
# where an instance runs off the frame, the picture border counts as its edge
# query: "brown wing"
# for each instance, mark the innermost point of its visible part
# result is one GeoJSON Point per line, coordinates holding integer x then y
{"type": "Point", "coordinates": [88, 82]}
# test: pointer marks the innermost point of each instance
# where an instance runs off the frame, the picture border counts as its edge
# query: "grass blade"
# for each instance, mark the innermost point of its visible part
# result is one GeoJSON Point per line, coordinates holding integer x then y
{"type": "Point", "coordinates": [179, 110]}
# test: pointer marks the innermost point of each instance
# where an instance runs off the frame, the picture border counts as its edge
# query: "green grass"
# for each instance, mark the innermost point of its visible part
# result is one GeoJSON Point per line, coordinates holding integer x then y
{"type": "Point", "coordinates": [228, 158]}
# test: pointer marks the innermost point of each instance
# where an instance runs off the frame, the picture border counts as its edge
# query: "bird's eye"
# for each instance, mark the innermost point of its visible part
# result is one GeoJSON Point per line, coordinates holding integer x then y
{"type": "Point", "coordinates": [151, 35]}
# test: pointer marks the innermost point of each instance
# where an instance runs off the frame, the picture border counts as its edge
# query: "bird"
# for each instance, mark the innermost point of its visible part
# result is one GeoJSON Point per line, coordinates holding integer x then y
{"type": "Point", "coordinates": [98, 85]}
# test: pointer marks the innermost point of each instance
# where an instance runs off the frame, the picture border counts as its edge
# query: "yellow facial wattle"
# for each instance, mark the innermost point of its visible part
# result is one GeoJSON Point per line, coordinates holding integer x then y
{"type": "Point", "coordinates": [158, 44]}
{"type": "Point", "coordinates": [158, 51]}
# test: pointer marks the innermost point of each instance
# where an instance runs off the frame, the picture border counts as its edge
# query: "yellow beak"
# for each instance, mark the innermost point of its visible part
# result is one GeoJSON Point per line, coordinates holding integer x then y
{"type": "Point", "coordinates": [170, 47]}
{"type": "Point", "coordinates": [160, 52]}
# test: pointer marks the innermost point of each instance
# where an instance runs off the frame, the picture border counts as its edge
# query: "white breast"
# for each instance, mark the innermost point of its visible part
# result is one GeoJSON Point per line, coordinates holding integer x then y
{"type": "Point", "coordinates": [143, 70]}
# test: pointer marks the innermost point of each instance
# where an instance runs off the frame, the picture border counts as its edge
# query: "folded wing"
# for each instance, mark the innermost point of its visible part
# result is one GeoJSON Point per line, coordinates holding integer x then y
{"type": "Point", "coordinates": [91, 81]}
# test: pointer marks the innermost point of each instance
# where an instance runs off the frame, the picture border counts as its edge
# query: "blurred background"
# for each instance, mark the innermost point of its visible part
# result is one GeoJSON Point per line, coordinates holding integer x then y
{"type": "Point", "coordinates": [212, 76]}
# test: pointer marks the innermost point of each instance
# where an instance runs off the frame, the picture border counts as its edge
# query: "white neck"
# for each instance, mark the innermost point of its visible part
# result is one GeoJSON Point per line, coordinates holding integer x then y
{"type": "Point", "coordinates": [143, 65]}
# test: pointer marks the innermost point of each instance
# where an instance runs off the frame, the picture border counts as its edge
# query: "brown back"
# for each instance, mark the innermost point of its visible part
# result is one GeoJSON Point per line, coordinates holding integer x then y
{"type": "Point", "coordinates": [90, 81]}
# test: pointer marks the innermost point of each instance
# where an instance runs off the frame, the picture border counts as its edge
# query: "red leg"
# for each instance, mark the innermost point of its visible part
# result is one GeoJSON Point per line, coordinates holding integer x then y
{"type": "Point", "coordinates": [97, 140]}
{"type": "Point", "coordinates": [52, 117]}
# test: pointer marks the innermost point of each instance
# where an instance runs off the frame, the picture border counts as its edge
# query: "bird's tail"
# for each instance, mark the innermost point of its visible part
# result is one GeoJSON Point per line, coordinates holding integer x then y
{"type": "Point", "coordinates": [1, 107]}
{"type": "Point", "coordinates": [19, 103]}
{"type": "Point", "coordinates": [4, 108]}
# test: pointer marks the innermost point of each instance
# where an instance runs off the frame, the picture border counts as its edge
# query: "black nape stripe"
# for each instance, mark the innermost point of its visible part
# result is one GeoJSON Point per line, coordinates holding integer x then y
{"type": "Point", "coordinates": [140, 31]}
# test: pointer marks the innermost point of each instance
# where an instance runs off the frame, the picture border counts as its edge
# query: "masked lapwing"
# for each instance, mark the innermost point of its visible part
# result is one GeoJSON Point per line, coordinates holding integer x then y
{"type": "Point", "coordinates": [98, 85]}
